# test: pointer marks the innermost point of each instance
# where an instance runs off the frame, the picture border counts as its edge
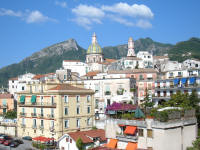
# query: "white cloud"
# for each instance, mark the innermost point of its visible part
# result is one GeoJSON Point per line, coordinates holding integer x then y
{"type": "Point", "coordinates": [61, 4]}
{"type": "Point", "coordinates": [8, 12]}
{"type": "Point", "coordinates": [29, 16]}
{"type": "Point", "coordinates": [129, 15]}
{"type": "Point", "coordinates": [37, 17]}
{"type": "Point", "coordinates": [87, 15]}
{"type": "Point", "coordinates": [121, 20]}
{"type": "Point", "coordinates": [134, 10]}
{"type": "Point", "coordinates": [143, 24]}
{"type": "Point", "coordinates": [88, 11]}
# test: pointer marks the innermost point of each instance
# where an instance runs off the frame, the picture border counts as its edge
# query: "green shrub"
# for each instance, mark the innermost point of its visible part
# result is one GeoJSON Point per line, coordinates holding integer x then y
{"type": "Point", "coordinates": [127, 116]}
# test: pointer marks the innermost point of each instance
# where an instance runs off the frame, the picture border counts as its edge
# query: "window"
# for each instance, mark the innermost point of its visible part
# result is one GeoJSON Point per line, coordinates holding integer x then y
{"type": "Point", "coordinates": [78, 123]}
{"type": "Point", "coordinates": [42, 112]}
{"type": "Point", "coordinates": [66, 123]}
{"type": "Point", "coordinates": [96, 103]}
{"type": "Point", "coordinates": [64, 77]}
{"type": "Point", "coordinates": [22, 88]}
{"type": "Point", "coordinates": [34, 111]}
{"type": "Point", "coordinates": [41, 100]}
{"type": "Point", "coordinates": [77, 98]}
{"type": "Point", "coordinates": [141, 77]}
{"type": "Point", "coordinates": [13, 86]}
{"type": "Point", "coordinates": [88, 121]}
{"type": "Point", "coordinates": [52, 112]}
{"type": "Point", "coordinates": [88, 109]}
{"type": "Point", "coordinates": [149, 133]}
{"type": "Point", "coordinates": [23, 121]}
{"type": "Point", "coordinates": [66, 99]}
{"type": "Point", "coordinates": [179, 73]}
{"type": "Point", "coordinates": [78, 110]}
{"type": "Point", "coordinates": [12, 81]}
{"type": "Point", "coordinates": [52, 124]}
{"type": "Point", "coordinates": [42, 123]}
{"type": "Point", "coordinates": [23, 110]}
{"type": "Point", "coordinates": [66, 110]}
{"type": "Point", "coordinates": [88, 98]}
{"type": "Point", "coordinates": [140, 132]}
{"type": "Point", "coordinates": [34, 123]}
{"type": "Point", "coordinates": [52, 100]}
{"type": "Point", "coordinates": [171, 74]}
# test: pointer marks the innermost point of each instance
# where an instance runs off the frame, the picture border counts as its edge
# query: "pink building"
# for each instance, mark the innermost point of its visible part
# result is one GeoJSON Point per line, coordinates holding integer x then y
{"type": "Point", "coordinates": [6, 102]}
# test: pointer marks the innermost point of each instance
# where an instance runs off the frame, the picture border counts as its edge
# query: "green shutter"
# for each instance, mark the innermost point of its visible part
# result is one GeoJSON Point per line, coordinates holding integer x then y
{"type": "Point", "coordinates": [33, 99]}
{"type": "Point", "coordinates": [22, 99]}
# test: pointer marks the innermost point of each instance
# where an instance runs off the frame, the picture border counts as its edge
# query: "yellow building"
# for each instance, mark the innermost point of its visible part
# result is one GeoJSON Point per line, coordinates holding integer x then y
{"type": "Point", "coordinates": [52, 109]}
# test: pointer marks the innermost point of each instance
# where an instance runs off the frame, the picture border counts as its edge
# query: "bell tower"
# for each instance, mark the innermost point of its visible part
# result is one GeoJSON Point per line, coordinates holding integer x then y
{"type": "Point", "coordinates": [131, 51]}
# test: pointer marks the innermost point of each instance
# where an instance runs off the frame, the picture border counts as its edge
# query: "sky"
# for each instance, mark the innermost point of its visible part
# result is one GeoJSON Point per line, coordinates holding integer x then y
{"type": "Point", "coordinates": [27, 26]}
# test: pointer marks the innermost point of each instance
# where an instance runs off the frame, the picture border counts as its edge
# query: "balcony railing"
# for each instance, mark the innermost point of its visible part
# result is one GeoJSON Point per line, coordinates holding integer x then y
{"type": "Point", "coordinates": [41, 115]}
{"type": "Point", "coordinates": [41, 127]}
{"type": "Point", "coordinates": [37, 104]}
{"type": "Point", "coordinates": [34, 127]}
{"type": "Point", "coordinates": [23, 125]}
{"type": "Point", "coordinates": [22, 114]}
{"type": "Point", "coordinates": [50, 116]}
{"type": "Point", "coordinates": [33, 114]}
{"type": "Point", "coordinates": [51, 128]}
{"type": "Point", "coordinates": [127, 138]}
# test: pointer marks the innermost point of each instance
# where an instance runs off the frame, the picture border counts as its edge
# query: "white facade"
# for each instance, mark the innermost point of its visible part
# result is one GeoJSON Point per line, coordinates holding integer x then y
{"type": "Point", "coordinates": [19, 84]}
{"type": "Point", "coordinates": [192, 63]}
{"type": "Point", "coordinates": [171, 65]}
{"type": "Point", "coordinates": [109, 89]}
{"type": "Point", "coordinates": [75, 66]}
{"type": "Point", "coordinates": [146, 57]}
{"type": "Point", "coordinates": [173, 135]}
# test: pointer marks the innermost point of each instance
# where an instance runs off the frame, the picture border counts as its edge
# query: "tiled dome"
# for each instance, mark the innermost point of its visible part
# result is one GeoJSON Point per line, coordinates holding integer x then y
{"type": "Point", "coordinates": [94, 48]}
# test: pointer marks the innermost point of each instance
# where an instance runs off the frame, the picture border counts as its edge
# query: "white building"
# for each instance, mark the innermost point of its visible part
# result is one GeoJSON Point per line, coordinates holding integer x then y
{"type": "Point", "coordinates": [18, 84]}
{"type": "Point", "coordinates": [75, 66]}
{"type": "Point", "coordinates": [147, 58]}
{"type": "Point", "coordinates": [192, 63]}
{"type": "Point", "coordinates": [149, 134]}
{"type": "Point", "coordinates": [89, 138]}
{"type": "Point", "coordinates": [108, 89]}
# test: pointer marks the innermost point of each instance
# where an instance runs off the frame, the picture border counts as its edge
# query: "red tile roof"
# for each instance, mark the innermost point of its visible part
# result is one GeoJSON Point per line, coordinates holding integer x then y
{"type": "Point", "coordinates": [133, 58]}
{"type": "Point", "coordinates": [110, 60]}
{"type": "Point", "coordinates": [39, 76]}
{"type": "Point", "coordinates": [92, 73]}
{"type": "Point", "coordinates": [64, 87]}
{"type": "Point", "coordinates": [6, 95]}
{"type": "Point", "coordinates": [91, 133]}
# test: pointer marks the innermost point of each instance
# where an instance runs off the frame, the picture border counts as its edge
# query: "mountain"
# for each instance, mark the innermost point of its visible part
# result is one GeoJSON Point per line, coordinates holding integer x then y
{"type": "Point", "coordinates": [49, 59]}
{"type": "Point", "coordinates": [186, 49]}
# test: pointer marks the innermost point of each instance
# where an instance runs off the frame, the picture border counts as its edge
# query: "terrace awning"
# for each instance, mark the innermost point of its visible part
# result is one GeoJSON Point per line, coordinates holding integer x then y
{"type": "Point", "coordinates": [131, 146]}
{"type": "Point", "coordinates": [130, 130]}
{"type": "Point", "coordinates": [112, 143]}
{"type": "Point", "coordinates": [183, 80]}
{"type": "Point", "coordinates": [176, 81]}
{"type": "Point", "coordinates": [33, 98]}
{"type": "Point", "coordinates": [192, 80]}
{"type": "Point", "coordinates": [22, 99]}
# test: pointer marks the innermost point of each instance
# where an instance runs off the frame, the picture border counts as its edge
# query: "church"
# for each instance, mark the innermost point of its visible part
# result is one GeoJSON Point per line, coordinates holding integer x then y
{"type": "Point", "coordinates": [95, 61]}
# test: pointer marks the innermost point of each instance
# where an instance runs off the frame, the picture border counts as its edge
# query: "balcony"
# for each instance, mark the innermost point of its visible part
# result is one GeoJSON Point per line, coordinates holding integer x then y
{"type": "Point", "coordinates": [4, 106]}
{"type": "Point", "coordinates": [38, 104]}
{"type": "Point", "coordinates": [23, 125]}
{"type": "Point", "coordinates": [127, 138]}
{"type": "Point", "coordinates": [41, 127]}
{"type": "Point", "coordinates": [33, 114]}
{"type": "Point", "coordinates": [51, 128]}
{"type": "Point", "coordinates": [41, 115]}
{"type": "Point", "coordinates": [34, 127]}
{"type": "Point", "coordinates": [22, 114]}
{"type": "Point", "coordinates": [51, 116]}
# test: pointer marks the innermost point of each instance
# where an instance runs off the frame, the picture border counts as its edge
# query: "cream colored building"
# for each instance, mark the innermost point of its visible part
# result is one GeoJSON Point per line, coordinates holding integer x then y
{"type": "Point", "coordinates": [52, 109]}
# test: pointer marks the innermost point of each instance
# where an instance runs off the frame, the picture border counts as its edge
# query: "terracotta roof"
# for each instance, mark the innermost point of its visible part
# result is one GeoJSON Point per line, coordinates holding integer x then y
{"type": "Point", "coordinates": [103, 148]}
{"type": "Point", "coordinates": [92, 73]}
{"type": "Point", "coordinates": [91, 133]}
{"type": "Point", "coordinates": [16, 78]}
{"type": "Point", "coordinates": [64, 87]}
{"type": "Point", "coordinates": [71, 60]}
{"type": "Point", "coordinates": [133, 58]}
{"type": "Point", "coordinates": [160, 57]}
{"type": "Point", "coordinates": [38, 76]}
{"type": "Point", "coordinates": [6, 95]}
{"type": "Point", "coordinates": [110, 60]}
{"type": "Point", "coordinates": [120, 71]}
{"type": "Point", "coordinates": [145, 70]}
